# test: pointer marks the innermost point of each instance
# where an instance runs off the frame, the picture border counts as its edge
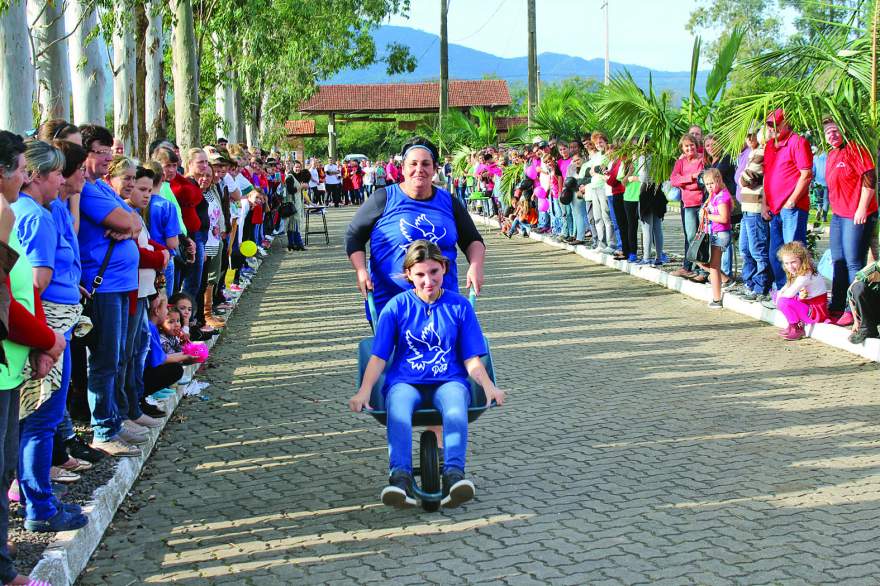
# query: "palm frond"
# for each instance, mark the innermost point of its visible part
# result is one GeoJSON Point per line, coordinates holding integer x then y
{"type": "Point", "coordinates": [717, 80]}
{"type": "Point", "coordinates": [511, 176]}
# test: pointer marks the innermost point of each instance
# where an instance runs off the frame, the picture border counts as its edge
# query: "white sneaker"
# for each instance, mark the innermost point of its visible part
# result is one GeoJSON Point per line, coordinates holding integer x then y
{"type": "Point", "coordinates": [131, 437]}
{"type": "Point", "coordinates": [117, 448]}
{"type": "Point", "coordinates": [134, 427]}
{"type": "Point", "coordinates": [148, 422]}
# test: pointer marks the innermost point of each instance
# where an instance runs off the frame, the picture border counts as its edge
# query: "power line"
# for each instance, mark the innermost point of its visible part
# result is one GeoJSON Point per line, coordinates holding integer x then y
{"type": "Point", "coordinates": [500, 5]}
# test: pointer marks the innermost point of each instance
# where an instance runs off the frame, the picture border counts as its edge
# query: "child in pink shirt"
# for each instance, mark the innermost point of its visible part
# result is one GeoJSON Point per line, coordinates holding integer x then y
{"type": "Point", "coordinates": [804, 298]}
{"type": "Point", "coordinates": [717, 212]}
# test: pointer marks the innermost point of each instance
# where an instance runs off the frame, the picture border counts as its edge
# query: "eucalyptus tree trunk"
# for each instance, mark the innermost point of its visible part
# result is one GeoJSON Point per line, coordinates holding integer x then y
{"type": "Point", "coordinates": [237, 114]}
{"type": "Point", "coordinates": [155, 114]}
{"type": "Point", "coordinates": [252, 134]}
{"type": "Point", "coordinates": [17, 73]}
{"type": "Point", "coordinates": [224, 98]}
{"type": "Point", "coordinates": [186, 75]}
{"type": "Point", "coordinates": [87, 64]}
{"type": "Point", "coordinates": [50, 48]}
{"type": "Point", "coordinates": [124, 80]}
{"type": "Point", "coordinates": [263, 119]}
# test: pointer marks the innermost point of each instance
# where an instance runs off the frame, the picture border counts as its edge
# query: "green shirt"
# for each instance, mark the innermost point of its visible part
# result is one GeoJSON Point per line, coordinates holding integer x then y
{"type": "Point", "coordinates": [21, 281]}
{"type": "Point", "coordinates": [632, 191]}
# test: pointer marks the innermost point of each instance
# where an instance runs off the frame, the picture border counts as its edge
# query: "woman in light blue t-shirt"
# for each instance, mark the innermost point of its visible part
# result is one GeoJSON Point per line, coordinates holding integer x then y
{"type": "Point", "coordinates": [436, 343]}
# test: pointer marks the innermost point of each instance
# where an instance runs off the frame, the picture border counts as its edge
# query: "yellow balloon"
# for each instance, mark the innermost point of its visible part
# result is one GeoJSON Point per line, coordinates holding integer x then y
{"type": "Point", "coordinates": [230, 277]}
{"type": "Point", "coordinates": [248, 248]}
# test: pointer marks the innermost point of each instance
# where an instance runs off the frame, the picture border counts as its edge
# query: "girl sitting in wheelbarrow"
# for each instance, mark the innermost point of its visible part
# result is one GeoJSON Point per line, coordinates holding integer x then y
{"type": "Point", "coordinates": [436, 341]}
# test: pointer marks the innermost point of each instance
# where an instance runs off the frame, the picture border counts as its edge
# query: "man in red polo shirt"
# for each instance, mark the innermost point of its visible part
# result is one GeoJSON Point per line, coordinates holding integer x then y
{"type": "Point", "coordinates": [850, 175]}
{"type": "Point", "coordinates": [788, 170]}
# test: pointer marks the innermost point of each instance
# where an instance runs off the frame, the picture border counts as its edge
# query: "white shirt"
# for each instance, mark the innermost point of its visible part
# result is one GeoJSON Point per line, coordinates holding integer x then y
{"type": "Point", "coordinates": [313, 182]}
{"type": "Point", "coordinates": [811, 285]}
{"type": "Point", "coordinates": [332, 179]}
{"type": "Point", "coordinates": [146, 277]}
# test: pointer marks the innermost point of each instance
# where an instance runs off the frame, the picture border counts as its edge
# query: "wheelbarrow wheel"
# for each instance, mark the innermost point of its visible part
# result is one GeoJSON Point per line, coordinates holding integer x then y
{"type": "Point", "coordinates": [429, 464]}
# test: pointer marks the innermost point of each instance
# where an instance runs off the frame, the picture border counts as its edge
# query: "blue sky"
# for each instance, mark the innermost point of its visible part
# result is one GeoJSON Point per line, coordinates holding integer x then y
{"type": "Point", "coordinates": [643, 32]}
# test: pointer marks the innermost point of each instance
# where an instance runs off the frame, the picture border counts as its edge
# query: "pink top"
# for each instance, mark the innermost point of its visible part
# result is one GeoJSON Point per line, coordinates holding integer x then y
{"type": "Point", "coordinates": [392, 174]}
{"type": "Point", "coordinates": [682, 177]}
{"type": "Point", "coordinates": [783, 162]}
{"type": "Point", "coordinates": [716, 200]}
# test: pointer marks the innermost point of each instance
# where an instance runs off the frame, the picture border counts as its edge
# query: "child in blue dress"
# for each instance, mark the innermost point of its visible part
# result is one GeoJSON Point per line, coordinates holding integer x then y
{"type": "Point", "coordinates": [436, 341]}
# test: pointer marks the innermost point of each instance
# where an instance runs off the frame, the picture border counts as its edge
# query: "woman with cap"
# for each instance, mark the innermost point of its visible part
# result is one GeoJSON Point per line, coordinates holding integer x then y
{"type": "Point", "coordinates": [399, 214]}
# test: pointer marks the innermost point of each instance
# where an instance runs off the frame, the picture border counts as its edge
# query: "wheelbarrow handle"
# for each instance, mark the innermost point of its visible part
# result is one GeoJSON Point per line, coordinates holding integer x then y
{"type": "Point", "coordinates": [371, 303]}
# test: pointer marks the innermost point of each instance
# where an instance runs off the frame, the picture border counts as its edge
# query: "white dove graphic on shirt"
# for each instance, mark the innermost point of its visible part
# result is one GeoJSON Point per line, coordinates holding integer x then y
{"type": "Point", "coordinates": [422, 229]}
{"type": "Point", "coordinates": [427, 351]}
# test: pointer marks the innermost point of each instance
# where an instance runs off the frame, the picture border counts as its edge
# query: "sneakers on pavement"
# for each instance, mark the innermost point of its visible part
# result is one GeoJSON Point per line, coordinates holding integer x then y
{"type": "Point", "coordinates": [134, 427]}
{"type": "Point", "coordinates": [148, 422]}
{"type": "Point", "coordinates": [59, 474]}
{"type": "Point", "coordinates": [78, 448]}
{"type": "Point", "coordinates": [62, 521]}
{"type": "Point", "coordinates": [117, 448]}
{"type": "Point", "coordinates": [715, 304]}
{"type": "Point", "coordinates": [399, 492]}
{"type": "Point", "coordinates": [845, 320]}
{"type": "Point", "coordinates": [457, 490]}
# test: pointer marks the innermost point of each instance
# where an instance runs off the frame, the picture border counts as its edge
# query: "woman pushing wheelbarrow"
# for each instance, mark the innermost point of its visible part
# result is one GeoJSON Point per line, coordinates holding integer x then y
{"type": "Point", "coordinates": [427, 342]}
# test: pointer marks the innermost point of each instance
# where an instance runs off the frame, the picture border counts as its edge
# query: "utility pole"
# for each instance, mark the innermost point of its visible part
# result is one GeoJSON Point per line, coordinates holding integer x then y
{"type": "Point", "coordinates": [607, 60]}
{"type": "Point", "coordinates": [533, 62]}
{"type": "Point", "coordinates": [444, 66]}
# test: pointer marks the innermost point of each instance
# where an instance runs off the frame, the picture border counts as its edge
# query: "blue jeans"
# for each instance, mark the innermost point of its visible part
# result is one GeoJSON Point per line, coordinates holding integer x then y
{"type": "Point", "coordinates": [690, 217]}
{"type": "Point", "coordinates": [614, 223]}
{"type": "Point", "coordinates": [568, 226]}
{"type": "Point", "coordinates": [754, 239]}
{"type": "Point", "coordinates": [786, 226]}
{"type": "Point", "coordinates": [518, 224]}
{"type": "Point", "coordinates": [849, 252]}
{"type": "Point", "coordinates": [37, 435]}
{"type": "Point", "coordinates": [192, 278]}
{"type": "Point", "coordinates": [543, 219]}
{"type": "Point", "coordinates": [451, 399]}
{"type": "Point", "coordinates": [107, 362]}
{"type": "Point", "coordinates": [137, 347]}
{"type": "Point", "coordinates": [821, 192]}
{"type": "Point", "coordinates": [652, 235]}
{"type": "Point", "coordinates": [556, 215]}
{"type": "Point", "coordinates": [579, 213]}
{"type": "Point", "coordinates": [169, 278]}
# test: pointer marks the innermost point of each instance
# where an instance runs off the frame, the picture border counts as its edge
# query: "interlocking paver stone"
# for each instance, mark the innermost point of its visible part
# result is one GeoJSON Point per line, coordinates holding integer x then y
{"type": "Point", "coordinates": [646, 439]}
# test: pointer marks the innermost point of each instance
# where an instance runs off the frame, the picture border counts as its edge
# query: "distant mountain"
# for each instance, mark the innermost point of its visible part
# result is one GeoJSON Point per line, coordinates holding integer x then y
{"type": "Point", "coordinates": [467, 63]}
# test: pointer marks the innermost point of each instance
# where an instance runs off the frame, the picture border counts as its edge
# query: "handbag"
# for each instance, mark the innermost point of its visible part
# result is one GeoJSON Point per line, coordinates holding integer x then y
{"type": "Point", "coordinates": [89, 336]}
{"type": "Point", "coordinates": [286, 210]}
{"type": "Point", "coordinates": [698, 250]}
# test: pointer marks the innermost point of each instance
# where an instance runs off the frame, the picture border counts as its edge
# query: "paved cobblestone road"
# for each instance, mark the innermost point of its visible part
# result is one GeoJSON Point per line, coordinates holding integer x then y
{"type": "Point", "coordinates": [647, 440]}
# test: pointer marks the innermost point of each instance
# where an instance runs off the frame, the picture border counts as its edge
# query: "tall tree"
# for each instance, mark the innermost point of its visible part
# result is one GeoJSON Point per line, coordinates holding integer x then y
{"type": "Point", "coordinates": [87, 63]}
{"type": "Point", "coordinates": [17, 73]}
{"type": "Point", "coordinates": [155, 111]}
{"type": "Point", "coordinates": [48, 31]}
{"type": "Point", "coordinates": [185, 70]}
{"type": "Point", "coordinates": [124, 79]}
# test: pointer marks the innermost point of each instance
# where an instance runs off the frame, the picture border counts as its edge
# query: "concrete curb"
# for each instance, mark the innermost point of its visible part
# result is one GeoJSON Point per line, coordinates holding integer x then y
{"type": "Point", "coordinates": [825, 333]}
{"type": "Point", "coordinates": [68, 555]}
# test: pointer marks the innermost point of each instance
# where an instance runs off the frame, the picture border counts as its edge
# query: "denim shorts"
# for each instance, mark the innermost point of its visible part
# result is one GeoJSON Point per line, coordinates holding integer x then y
{"type": "Point", "coordinates": [720, 239]}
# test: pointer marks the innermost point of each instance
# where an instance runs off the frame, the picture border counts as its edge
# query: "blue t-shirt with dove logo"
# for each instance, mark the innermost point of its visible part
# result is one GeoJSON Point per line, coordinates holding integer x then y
{"type": "Point", "coordinates": [404, 221]}
{"type": "Point", "coordinates": [430, 341]}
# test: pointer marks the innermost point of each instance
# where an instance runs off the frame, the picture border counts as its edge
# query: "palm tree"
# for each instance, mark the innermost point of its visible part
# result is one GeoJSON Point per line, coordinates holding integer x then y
{"type": "Point", "coordinates": [629, 113]}
{"type": "Point", "coordinates": [833, 75]}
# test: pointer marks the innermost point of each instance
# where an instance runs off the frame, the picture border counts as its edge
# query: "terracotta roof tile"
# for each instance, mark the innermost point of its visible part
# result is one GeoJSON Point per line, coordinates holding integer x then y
{"type": "Point", "coordinates": [300, 127]}
{"type": "Point", "coordinates": [406, 97]}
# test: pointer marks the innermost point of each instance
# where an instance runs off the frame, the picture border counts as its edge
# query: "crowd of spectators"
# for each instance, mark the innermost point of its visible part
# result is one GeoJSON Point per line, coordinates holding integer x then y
{"type": "Point", "coordinates": [115, 271]}
{"type": "Point", "coordinates": [601, 194]}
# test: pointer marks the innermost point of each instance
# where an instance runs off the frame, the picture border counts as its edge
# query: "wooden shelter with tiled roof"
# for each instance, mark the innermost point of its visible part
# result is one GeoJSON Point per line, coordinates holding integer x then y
{"type": "Point", "coordinates": [400, 98]}
{"type": "Point", "coordinates": [403, 98]}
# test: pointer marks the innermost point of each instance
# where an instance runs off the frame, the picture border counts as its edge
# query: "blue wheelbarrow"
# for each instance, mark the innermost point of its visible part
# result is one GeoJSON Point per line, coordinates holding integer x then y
{"type": "Point", "coordinates": [428, 489]}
